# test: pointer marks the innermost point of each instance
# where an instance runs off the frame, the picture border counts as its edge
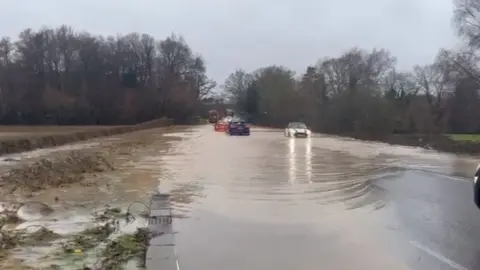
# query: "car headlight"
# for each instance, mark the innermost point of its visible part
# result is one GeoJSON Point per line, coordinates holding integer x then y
{"type": "Point", "coordinates": [475, 179]}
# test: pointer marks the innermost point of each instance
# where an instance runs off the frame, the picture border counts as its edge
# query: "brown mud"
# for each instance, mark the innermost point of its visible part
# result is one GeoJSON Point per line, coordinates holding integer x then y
{"type": "Point", "coordinates": [56, 171]}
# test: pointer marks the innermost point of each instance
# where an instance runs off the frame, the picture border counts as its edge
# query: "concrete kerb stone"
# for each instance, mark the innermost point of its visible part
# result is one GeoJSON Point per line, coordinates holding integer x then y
{"type": "Point", "coordinates": [161, 253]}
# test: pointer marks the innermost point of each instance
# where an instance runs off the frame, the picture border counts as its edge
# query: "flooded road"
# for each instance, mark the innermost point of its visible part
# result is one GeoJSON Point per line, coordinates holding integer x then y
{"type": "Point", "coordinates": [270, 202]}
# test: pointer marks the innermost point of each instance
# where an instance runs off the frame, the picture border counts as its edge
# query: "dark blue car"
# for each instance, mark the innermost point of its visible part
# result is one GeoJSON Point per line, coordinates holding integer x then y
{"type": "Point", "coordinates": [238, 127]}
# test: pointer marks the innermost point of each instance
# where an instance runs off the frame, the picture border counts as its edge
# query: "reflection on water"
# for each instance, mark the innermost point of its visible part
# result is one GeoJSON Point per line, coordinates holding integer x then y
{"type": "Point", "coordinates": [268, 177]}
{"type": "Point", "coordinates": [292, 170]}
{"type": "Point", "coordinates": [301, 199]}
{"type": "Point", "coordinates": [294, 146]}
{"type": "Point", "coordinates": [250, 176]}
{"type": "Point", "coordinates": [306, 200]}
{"type": "Point", "coordinates": [308, 159]}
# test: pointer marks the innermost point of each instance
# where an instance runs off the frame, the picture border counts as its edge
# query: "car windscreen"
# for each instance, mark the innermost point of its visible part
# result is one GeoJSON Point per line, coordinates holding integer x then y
{"type": "Point", "coordinates": [298, 125]}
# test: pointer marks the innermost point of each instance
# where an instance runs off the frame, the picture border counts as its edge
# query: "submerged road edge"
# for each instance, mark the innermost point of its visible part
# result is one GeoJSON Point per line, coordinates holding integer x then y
{"type": "Point", "coordinates": [162, 251]}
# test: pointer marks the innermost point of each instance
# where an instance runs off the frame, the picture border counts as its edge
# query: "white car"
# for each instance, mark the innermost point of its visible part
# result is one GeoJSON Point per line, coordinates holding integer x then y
{"type": "Point", "coordinates": [297, 129]}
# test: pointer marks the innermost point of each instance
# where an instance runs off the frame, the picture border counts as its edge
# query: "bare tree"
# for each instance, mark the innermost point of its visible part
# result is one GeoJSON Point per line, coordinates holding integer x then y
{"type": "Point", "coordinates": [236, 85]}
{"type": "Point", "coordinates": [61, 76]}
{"type": "Point", "coordinates": [467, 21]}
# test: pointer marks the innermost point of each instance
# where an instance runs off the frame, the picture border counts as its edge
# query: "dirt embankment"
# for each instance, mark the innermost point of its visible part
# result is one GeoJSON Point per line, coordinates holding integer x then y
{"type": "Point", "coordinates": [11, 145]}
{"type": "Point", "coordinates": [61, 169]}
{"type": "Point", "coordinates": [83, 167]}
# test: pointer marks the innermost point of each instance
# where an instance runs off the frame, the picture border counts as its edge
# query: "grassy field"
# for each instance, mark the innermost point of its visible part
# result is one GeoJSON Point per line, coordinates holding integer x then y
{"type": "Point", "coordinates": [23, 131]}
{"type": "Point", "coordinates": [465, 137]}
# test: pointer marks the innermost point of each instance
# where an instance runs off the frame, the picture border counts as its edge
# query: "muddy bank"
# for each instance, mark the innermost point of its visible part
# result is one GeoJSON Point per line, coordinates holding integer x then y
{"type": "Point", "coordinates": [82, 167]}
{"type": "Point", "coordinates": [56, 171]}
{"type": "Point", "coordinates": [27, 143]}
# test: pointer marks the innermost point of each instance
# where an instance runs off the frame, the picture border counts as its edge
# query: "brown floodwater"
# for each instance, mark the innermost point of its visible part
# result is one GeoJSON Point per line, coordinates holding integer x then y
{"type": "Point", "coordinates": [136, 176]}
{"type": "Point", "coordinates": [270, 202]}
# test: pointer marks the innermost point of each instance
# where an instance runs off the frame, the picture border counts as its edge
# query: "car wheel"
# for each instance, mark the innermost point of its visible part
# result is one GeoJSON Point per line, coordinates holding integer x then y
{"type": "Point", "coordinates": [476, 193]}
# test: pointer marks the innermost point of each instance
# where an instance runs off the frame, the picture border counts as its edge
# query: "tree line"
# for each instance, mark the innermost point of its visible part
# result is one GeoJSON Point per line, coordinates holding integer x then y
{"type": "Point", "coordinates": [362, 92]}
{"type": "Point", "coordinates": [60, 76]}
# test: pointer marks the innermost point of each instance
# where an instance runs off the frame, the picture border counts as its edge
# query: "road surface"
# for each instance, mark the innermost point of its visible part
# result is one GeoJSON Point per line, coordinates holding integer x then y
{"type": "Point", "coordinates": [272, 203]}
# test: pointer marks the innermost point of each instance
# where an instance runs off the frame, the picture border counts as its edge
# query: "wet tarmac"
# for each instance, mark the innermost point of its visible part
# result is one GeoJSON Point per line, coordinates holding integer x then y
{"type": "Point", "coordinates": [271, 202]}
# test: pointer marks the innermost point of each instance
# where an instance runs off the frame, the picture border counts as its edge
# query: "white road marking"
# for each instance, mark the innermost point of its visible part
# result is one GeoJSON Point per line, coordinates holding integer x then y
{"type": "Point", "coordinates": [446, 176]}
{"type": "Point", "coordinates": [462, 179]}
{"type": "Point", "coordinates": [176, 258]}
{"type": "Point", "coordinates": [438, 256]}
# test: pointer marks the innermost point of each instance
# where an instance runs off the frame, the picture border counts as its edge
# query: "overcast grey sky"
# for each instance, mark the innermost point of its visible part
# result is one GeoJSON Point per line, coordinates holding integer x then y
{"type": "Point", "coordinates": [249, 34]}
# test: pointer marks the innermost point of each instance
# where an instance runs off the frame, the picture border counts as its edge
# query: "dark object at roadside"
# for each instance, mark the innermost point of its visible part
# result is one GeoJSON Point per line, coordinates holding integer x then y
{"type": "Point", "coordinates": [238, 127]}
{"type": "Point", "coordinates": [213, 117]}
{"type": "Point", "coordinates": [476, 187]}
{"type": "Point", "coordinates": [229, 112]}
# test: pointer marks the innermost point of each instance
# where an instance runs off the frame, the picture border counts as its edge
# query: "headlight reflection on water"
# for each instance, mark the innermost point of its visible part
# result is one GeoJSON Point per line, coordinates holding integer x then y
{"type": "Point", "coordinates": [292, 169]}
{"type": "Point", "coordinates": [293, 158]}
{"type": "Point", "coordinates": [308, 159]}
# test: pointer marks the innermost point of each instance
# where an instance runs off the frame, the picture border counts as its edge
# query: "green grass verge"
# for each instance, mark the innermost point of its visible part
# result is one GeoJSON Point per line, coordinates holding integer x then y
{"type": "Point", "coordinates": [465, 137]}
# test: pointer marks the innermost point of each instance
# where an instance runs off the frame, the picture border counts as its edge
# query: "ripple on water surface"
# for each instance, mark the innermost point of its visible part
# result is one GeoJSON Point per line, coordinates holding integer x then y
{"type": "Point", "coordinates": [304, 202]}
{"type": "Point", "coordinates": [263, 171]}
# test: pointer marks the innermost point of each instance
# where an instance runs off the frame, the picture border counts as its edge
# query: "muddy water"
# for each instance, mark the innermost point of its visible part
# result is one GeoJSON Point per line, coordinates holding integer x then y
{"type": "Point", "coordinates": [270, 202]}
{"type": "Point", "coordinates": [137, 161]}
